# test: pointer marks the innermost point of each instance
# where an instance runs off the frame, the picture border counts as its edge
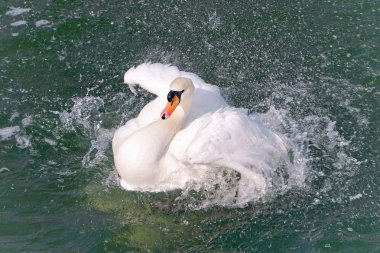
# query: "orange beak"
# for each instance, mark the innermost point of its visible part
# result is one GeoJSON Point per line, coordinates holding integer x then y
{"type": "Point", "coordinates": [170, 107]}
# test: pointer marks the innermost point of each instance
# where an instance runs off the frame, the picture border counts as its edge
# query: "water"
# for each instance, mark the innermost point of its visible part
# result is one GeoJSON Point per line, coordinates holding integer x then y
{"type": "Point", "coordinates": [309, 70]}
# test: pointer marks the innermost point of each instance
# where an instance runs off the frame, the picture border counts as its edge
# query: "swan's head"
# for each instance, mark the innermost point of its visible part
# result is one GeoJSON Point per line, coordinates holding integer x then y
{"type": "Point", "coordinates": [181, 89]}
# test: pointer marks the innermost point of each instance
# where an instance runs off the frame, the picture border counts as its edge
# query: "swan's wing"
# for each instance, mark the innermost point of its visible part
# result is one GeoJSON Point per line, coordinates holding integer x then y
{"type": "Point", "coordinates": [229, 138]}
{"type": "Point", "coordinates": [153, 77]}
{"type": "Point", "coordinates": [204, 101]}
{"type": "Point", "coordinates": [156, 78]}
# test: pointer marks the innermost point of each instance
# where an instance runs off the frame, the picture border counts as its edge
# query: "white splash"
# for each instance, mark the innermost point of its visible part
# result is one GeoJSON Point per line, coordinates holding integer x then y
{"type": "Point", "coordinates": [50, 142]}
{"type": "Point", "coordinates": [7, 132]}
{"type": "Point", "coordinates": [85, 115]}
{"type": "Point", "coordinates": [84, 112]}
{"type": "Point", "coordinates": [214, 21]}
{"type": "Point", "coordinates": [23, 141]}
{"type": "Point", "coordinates": [27, 121]}
{"type": "Point", "coordinates": [3, 169]}
{"type": "Point", "coordinates": [357, 196]}
{"type": "Point", "coordinates": [229, 188]}
{"type": "Point", "coordinates": [96, 153]}
{"type": "Point", "coordinates": [18, 23]}
{"type": "Point", "coordinates": [42, 22]}
{"type": "Point", "coordinates": [14, 116]}
{"type": "Point", "coordinates": [15, 11]}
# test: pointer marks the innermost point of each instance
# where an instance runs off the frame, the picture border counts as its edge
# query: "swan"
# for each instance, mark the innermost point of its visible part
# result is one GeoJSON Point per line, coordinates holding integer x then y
{"type": "Point", "coordinates": [187, 131]}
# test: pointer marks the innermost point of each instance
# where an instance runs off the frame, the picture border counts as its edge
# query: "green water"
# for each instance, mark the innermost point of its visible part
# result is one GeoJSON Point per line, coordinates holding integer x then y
{"type": "Point", "coordinates": [311, 66]}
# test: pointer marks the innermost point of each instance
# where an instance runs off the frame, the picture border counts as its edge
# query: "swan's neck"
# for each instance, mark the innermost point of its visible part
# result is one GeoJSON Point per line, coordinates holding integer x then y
{"type": "Point", "coordinates": [169, 127]}
{"type": "Point", "coordinates": [175, 122]}
{"type": "Point", "coordinates": [138, 157]}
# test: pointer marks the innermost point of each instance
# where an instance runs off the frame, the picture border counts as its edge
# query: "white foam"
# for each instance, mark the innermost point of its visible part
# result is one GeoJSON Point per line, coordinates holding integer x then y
{"type": "Point", "coordinates": [357, 196]}
{"type": "Point", "coordinates": [7, 132]}
{"type": "Point", "coordinates": [50, 141]}
{"type": "Point", "coordinates": [229, 188]}
{"type": "Point", "coordinates": [23, 141]}
{"type": "Point", "coordinates": [66, 172]}
{"type": "Point", "coordinates": [3, 169]}
{"type": "Point", "coordinates": [14, 115]}
{"type": "Point", "coordinates": [42, 22]}
{"type": "Point", "coordinates": [26, 121]}
{"type": "Point", "coordinates": [18, 23]}
{"type": "Point", "coordinates": [15, 11]}
{"type": "Point", "coordinates": [112, 179]}
{"type": "Point", "coordinates": [50, 162]}
{"type": "Point", "coordinates": [214, 21]}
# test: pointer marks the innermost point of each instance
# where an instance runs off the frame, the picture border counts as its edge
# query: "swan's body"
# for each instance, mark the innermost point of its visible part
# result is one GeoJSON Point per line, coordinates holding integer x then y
{"type": "Point", "coordinates": [202, 134]}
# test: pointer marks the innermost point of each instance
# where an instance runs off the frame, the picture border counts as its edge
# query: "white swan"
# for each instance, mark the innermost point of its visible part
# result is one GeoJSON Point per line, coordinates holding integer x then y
{"type": "Point", "coordinates": [195, 133]}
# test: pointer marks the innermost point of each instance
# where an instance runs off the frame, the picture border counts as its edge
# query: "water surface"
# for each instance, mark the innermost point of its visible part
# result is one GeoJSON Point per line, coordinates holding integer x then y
{"type": "Point", "coordinates": [309, 69]}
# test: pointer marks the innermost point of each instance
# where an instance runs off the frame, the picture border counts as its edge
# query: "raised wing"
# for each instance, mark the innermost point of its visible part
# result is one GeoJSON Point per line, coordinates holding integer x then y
{"type": "Point", "coordinates": [156, 78]}
{"type": "Point", "coordinates": [153, 77]}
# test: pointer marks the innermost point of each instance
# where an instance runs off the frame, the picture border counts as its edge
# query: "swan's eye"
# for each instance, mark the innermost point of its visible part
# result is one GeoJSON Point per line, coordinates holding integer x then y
{"type": "Point", "coordinates": [173, 93]}
{"type": "Point", "coordinates": [170, 96]}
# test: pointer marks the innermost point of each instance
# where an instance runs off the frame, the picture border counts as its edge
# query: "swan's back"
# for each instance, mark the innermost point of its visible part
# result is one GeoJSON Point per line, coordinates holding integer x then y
{"type": "Point", "coordinates": [230, 138]}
